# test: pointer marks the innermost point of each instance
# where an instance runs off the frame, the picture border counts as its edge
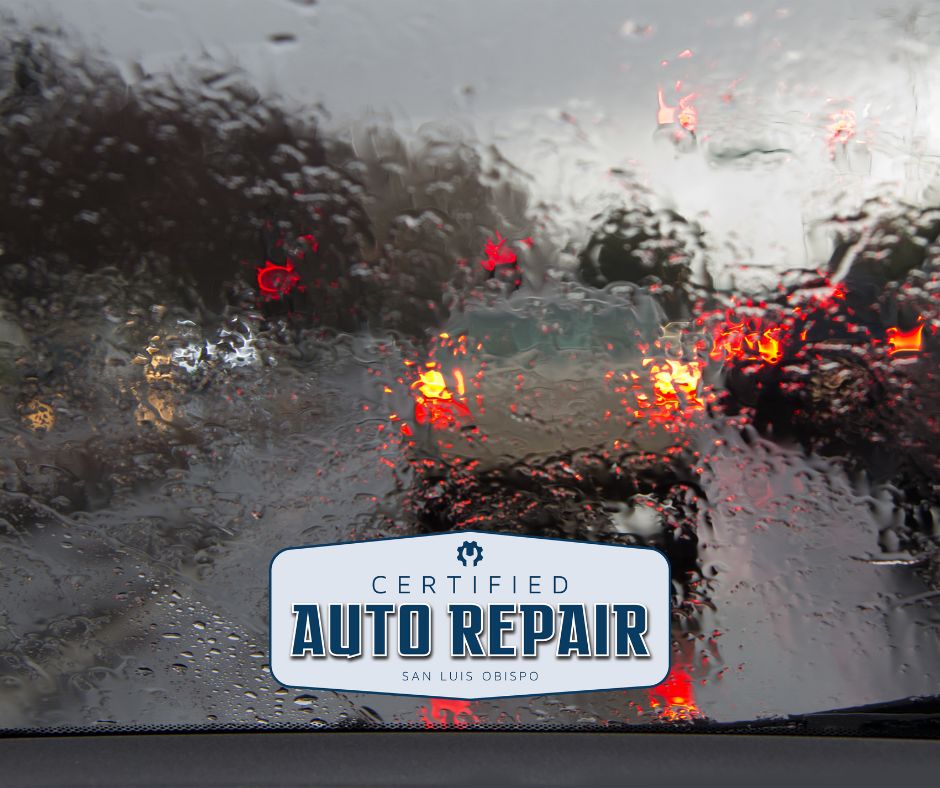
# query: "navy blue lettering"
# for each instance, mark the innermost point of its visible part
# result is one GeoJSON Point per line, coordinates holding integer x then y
{"type": "Point", "coordinates": [353, 645]}
{"type": "Point", "coordinates": [497, 626]}
{"type": "Point", "coordinates": [629, 628]}
{"type": "Point", "coordinates": [573, 637]}
{"type": "Point", "coordinates": [307, 633]}
{"type": "Point", "coordinates": [538, 626]}
{"type": "Point", "coordinates": [408, 646]}
{"type": "Point", "coordinates": [466, 628]}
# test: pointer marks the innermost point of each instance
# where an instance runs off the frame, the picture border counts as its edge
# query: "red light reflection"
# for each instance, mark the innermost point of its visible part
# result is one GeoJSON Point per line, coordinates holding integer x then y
{"type": "Point", "coordinates": [747, 340]}
{"type": "Point", "coordinates": [497, 253]}
{"type": "Point", "coordinates": [275, 281]}
{"type": "Point", "coordinates": [674, 699]}
{"type": "Point", "coordinates": [444, 713]}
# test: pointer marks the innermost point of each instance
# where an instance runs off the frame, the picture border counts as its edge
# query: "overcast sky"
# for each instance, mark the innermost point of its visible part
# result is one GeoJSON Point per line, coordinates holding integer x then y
{"type": "Point", "coordinates": [569, 89]}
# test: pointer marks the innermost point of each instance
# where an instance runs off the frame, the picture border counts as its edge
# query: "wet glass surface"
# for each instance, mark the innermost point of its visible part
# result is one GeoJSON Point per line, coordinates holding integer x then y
{"type": "Point", "coordinates": [307, 272]}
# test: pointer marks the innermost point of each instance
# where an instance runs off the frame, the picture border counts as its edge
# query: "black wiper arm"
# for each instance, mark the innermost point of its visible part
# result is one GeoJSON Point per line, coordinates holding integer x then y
{"type": "Point", "coordinates": [903, 717]}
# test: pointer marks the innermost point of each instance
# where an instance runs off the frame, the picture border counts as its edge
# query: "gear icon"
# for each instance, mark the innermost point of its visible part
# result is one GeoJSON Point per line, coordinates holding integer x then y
{"type": "Point", "coordinates": [468, 549]}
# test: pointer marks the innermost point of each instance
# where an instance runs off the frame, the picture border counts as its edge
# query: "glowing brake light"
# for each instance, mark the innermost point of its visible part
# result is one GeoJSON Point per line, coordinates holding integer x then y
{"type": "Point", "coordinates": [435, 404]}
{"type": "Point", "coordinates": [905, 341]}
{"type": "Point", "coordinates": [670, 378]}
{"type": "Point", "coordinates": [431, 385]}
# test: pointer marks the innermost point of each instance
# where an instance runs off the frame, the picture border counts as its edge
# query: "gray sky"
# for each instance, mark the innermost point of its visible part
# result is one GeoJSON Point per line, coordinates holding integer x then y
{"type": "Point", "coordinates": [767, 75]}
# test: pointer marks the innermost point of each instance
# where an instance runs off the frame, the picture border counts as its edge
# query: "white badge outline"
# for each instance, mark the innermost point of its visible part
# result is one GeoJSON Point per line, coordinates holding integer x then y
{"type": "Point", "coordinates": [488, 534]}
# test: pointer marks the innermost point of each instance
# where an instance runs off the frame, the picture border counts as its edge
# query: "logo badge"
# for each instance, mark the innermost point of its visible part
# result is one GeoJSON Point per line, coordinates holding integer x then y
{"type": "Point", "coordinates": [469, 615]}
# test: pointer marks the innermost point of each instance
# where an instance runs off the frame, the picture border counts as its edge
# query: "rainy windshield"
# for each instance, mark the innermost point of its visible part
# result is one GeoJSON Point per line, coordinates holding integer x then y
{"type": "Point", "coordinates": [308, 272]}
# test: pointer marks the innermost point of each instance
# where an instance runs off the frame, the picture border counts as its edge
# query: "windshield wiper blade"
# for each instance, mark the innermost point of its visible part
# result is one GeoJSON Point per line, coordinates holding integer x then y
{"type": "Point", "coordinates": [919, 716]}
